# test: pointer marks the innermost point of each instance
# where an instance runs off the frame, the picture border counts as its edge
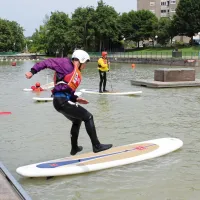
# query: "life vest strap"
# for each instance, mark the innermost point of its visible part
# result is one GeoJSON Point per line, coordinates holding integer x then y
{"type": "Point", "coordinates": [60, 82]}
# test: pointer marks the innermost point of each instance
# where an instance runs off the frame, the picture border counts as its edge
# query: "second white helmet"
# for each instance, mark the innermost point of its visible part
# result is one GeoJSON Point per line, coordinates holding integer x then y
{"type": "Point", "coordinates": [81, 55]}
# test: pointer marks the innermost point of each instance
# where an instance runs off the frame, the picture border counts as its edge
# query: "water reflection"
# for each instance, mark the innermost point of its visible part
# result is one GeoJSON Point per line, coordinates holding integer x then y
{"type": "Point", "coordinates": [36, 132]}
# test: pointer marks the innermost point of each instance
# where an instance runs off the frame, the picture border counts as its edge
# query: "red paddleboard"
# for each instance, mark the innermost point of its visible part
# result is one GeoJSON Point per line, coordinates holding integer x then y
{"type": "Point", "coordinates": [5, 113]}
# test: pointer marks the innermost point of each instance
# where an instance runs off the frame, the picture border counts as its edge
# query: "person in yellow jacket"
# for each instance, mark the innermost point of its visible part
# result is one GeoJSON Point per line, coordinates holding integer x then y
{"type": "Point", "coordinates": [103, 67]}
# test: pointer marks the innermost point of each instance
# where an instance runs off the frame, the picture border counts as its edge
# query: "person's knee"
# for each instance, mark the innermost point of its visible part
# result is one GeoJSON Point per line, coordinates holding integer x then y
{"type": "Point", "coordinates": [88, 118]}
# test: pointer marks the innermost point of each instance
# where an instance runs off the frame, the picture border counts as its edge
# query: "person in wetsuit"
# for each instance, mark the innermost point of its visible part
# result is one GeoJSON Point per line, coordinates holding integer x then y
{"type": "Point", "coordinates": [36, 87]}
{"type": "Point", "coordinates": [103, 67]}
{"type": "Point", "coordinates": [67, 78]}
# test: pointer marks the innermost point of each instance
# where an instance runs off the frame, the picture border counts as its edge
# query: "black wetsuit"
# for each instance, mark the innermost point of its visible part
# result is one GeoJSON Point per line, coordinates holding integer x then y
{"type": "Point", "coordinates": [76, 114]}
{"type": "Point", "coordinates": [103, 80]}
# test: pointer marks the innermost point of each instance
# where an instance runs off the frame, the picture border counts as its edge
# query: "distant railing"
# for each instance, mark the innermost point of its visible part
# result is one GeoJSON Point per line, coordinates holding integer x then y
{"type": "Point", "coordinates": [153, 54]}
{"type": "Point", "coordinates": [134, 54]}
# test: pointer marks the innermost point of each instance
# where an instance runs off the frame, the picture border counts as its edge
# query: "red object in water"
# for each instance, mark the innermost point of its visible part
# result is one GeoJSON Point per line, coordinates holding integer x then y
{"type": "Point", "coordinates": [33, 87]}
{"type": "Point", "coordinates": [13, 63]}
{"type": "Point", "coordinates": [5, 113]}
{"type": "Point", "coordinates": [133, 65]}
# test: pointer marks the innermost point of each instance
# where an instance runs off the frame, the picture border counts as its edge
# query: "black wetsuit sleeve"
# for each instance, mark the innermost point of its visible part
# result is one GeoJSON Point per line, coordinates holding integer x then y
{"type": "Point", "coordinates": [33, 71]}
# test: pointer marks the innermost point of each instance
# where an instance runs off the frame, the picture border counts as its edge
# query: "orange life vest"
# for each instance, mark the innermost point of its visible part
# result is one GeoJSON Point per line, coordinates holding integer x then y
{"type": "Point", "coordinates": [73, 79]}
{"type": "Point", "coordinates": [38, 89]}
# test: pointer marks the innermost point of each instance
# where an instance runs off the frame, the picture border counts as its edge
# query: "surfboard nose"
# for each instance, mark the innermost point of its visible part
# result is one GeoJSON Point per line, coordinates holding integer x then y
{"type": "Point", "coordinates": [178, 141]}
{"type": "Point", "coordinates": [19, 171]}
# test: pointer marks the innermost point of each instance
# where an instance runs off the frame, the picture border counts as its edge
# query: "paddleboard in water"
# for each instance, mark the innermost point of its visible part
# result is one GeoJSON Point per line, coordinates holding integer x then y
{"type": "Point", "coordinates": [27, 89]}
{"type": "Point", "coordinates": [88, 162]}
{"type": "Point", "coordinates": [4, 113]}
{"type": "Point", "coordinates": [45, 87]}
{"type": "Point", "coordinates": [90, 91]}
{"type": "Point", "coordinates": [47, 99]}
{"type": "Point", "coordinates": [43, 99]}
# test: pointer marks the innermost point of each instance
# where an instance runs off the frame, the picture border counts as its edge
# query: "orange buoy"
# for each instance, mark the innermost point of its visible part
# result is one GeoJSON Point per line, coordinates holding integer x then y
{"type": "Point", "coordinates": [133, 65]}
{"type": "Point", "coordinates": [13, 63]}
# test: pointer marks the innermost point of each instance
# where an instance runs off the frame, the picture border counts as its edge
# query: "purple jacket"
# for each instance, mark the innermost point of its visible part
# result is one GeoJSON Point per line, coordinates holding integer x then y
{"type": "Point", "coordinates": [62, 66]}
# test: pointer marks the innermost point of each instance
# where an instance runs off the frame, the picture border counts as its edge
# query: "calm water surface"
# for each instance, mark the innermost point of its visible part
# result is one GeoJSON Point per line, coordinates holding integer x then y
{"type": "Point", "coordinates": [35, 132]}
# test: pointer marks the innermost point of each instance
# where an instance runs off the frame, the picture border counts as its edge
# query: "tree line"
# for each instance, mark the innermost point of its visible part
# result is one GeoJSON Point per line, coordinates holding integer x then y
{"type": "Point", "coordinates": [100, 29]}
{"type": "Point", "coordinates": [11, 36]}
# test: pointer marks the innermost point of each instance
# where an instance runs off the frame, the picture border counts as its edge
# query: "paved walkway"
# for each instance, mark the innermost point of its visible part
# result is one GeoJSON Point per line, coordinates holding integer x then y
{"type": "Point", "coordinates": [6, 190]}
{"type": "Point", "coordinates": [10, 189]}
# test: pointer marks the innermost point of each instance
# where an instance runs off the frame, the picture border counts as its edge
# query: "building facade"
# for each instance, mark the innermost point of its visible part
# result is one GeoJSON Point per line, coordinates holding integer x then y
{"type": "Point", "coordinates": [161, 8]}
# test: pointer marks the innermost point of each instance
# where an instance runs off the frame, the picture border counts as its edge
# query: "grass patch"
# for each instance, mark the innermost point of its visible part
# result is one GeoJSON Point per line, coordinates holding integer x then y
{"type": "Point", "coordinates": [169, 49]}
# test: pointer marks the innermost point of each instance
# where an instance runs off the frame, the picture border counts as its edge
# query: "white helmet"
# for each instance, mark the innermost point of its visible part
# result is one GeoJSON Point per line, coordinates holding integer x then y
{"type": "Point", "coordinates": [83, 56]}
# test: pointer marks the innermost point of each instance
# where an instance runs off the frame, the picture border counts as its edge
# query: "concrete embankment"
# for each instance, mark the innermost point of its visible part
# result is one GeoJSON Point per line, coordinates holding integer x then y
{"type": "Point", "coordinates": [20, 57]}
{"type": "Point", "coordinates": [10, 189]}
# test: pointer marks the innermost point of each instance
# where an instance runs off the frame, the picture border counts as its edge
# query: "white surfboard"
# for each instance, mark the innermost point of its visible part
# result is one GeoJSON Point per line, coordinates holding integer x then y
{"type": "Point", "coordinates": [91, 91]}
{"type": "Point", "coordinates": [45, 87]}
{"type": "Point", "coordinates": [27, 89]}
{"type": "Point", "coordinates": [43, 99]}
{"type": "Point", "coordinates": [47, 99]}
{"type": "Point", "coordinates": [116, 156]}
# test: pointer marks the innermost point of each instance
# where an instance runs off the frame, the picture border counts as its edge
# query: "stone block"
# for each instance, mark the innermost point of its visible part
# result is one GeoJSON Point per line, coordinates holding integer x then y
{"type": "Point", "coordinates": [175, 74]}
{"type": "Point", "coordinates": [176, 54]}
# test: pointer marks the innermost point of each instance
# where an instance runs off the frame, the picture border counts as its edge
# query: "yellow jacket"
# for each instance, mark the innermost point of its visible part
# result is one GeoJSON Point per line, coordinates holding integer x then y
{"type": "Point", "coordinates": [103, 65]}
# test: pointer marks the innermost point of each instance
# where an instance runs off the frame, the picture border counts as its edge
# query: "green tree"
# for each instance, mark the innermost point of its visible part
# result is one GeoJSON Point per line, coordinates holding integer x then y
{"type": "Point", "coordinates": [11, 36]}
{"type": "Point", "coordinates": [18, 36]}
{"type": "Point", "coordinates": [138, 25]}
{"type": "Point", "coordinates": [128, 26]}
{"type": "Point", "coordinates": [40, 40]}
{"type": "Point", "coordinates": [187, 17]}
{"type": "Point", "coordinates": [106, 25]}
{"type": "Point", "coordinates": [171, 29]}
{"type": "Point", "coordinates": [82, 28]}
{"type": "Point", "coordinates": [6, 36]}
{"type": "Point", "coordinates": [166, 31]}
{"type": "Point", "coordinates": [58, 36]}
{"type": "Point", "coordinates": [146, 24]}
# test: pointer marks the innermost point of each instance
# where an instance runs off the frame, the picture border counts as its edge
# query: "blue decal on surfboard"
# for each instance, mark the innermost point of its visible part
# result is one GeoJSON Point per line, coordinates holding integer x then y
{"type": "Point", "coordinates": [69, 162]}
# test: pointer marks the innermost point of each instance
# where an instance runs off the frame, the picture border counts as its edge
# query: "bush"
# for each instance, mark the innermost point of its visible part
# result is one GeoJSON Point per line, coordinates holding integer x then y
{"type": "Point", "coordinates": [179, 44]}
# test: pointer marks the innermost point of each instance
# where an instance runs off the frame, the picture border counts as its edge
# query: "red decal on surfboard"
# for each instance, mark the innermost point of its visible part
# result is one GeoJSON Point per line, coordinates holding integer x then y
{"type": "Point", "coordinates": [140, 148]}
{"type": "Point", "coordinates": [54, 165]}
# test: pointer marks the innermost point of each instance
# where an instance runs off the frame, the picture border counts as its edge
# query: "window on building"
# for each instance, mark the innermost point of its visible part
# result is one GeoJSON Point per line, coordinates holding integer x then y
{"type": "Point", "coordinates": [172, 10]}
{"type": "Point", "coordinates": [153, 11]}
{"type": "Point", "coordinates": [152, 3]}
{"type": "Point", "coordinates": [172, 1]}
{"type": "Point", "coordinates": [163, 11]}
{"type": "Point", "coordinates": [163, 3]}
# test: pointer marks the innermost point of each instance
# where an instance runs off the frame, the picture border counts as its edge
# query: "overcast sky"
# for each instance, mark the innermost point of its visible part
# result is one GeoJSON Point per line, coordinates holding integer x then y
{"type": "Point", "coordinates": [31, 13]}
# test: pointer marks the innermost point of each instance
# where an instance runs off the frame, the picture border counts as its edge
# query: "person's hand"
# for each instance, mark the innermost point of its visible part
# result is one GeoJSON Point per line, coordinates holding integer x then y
{"type": "Point", "coordinates": [28, 75]}
{"type": "Point", "coordinates": [82, 101]}
{"type": "Point", "coordinates": [108, 63]}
